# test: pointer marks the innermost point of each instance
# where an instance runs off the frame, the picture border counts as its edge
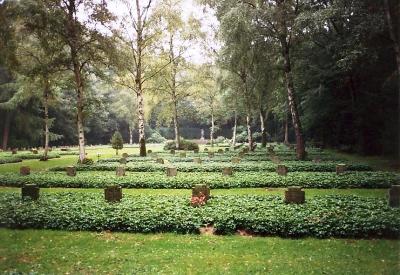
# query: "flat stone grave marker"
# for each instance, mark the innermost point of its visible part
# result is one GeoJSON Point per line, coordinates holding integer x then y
{"type": "Point", "coordinates": [196, 151]}
{"type": "Point", "coordinates": [210, 154]}
{"type": "Point", "coordinates": [197, 160]}
{"type": "Point", "coordinates": [113, 193]}
{"type": "Point", "coordinates": [294, 194]}
{"type": "Point", "coordinates": [227, 171]}
{"type": "Point", "coordinates": [125, 155]}
{"type": "Point", "coordinates": [30, 190]}
{"type": "Point", "coordinates": [394, 196]}
{"type": "Point", "coordinates": [220, 151]}
{"type": "Point", "coordinates": [341, 168]}
{"type": "Point", "coordinates": [182, 154]}
{"type": "Point", "coordinates": [199, 189]}
{"type": "Point", "coordinates": [160, 160]}
{"type": "Point", "coordinates": [172, 151]}
{"type": "Point", "coordinates": [236, 160]}
{"type": "Point", "coordinates": [171, 171]}
{"type": "Point", "coordinates": [149, 151]}
{"type": "Point", "coordinates": [71, 171]}
{"type": "Point", "coordinates": [120, 171]}
{"type": "Point", "coordinates": [14, 151]}
{"type": "Point", "coordinates": [34, 151]}
{"type": "Point", "coordinates": [24, 170]}
{"type": "Point", "coordinates": [282, 170]}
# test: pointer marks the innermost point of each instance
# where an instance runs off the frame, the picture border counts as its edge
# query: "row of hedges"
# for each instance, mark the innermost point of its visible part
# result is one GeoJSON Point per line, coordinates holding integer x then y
{"type": "Point", "coordinates": [293, 166]}
{"type": "Point", "coordinates": [214, 180]}
{"type": "Point", "coordinates": [29, 155]}
{"type": "Point", "coordinates": [216, 158]}
{"type": "Point", "coordinates": [324, 216]}
{"type": "Point", "coordinates": [10, 160]}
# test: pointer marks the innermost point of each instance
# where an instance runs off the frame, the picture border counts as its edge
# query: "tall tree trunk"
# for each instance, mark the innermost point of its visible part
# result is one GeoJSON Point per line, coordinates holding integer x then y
{"type": "Point", "coordinates": [130, 135]}
{"type": "Point", "coordinates": [6, 130]}
{"type": "Point", "coordinates": [392, 22]}
{"type": "Point", "coordinates": [263, 128]}
{"type": "Point", "coordinates": [138, 81]}
{"type": "Point", "coordinates": [46, 119]}
{"type": "Point", "coordinates": [77, 67]}
{"type": "Point", "coordinates": [234, 131]}
{"type": "Point", "coordinates": [176, 127]}
{"type": "Point", "coordinates": [249, 132]}
{"type": "Point", "coordinates": [286, 141]}
{"type": "Point", "coordinates": [142, 137]}
{"type": "Point", "coordinates": [212, 128]}
{"type": "Point", "coordinates": [300, 144]}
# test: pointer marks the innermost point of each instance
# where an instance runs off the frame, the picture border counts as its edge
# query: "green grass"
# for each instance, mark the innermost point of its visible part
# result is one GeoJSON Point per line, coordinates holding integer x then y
{"type": "Point", "coordinates": [379, 193]}
{"type": "Point", "coordinates": [44, 251]}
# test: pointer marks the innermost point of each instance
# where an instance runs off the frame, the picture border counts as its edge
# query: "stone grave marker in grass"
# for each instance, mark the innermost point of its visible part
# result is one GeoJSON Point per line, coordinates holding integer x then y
{"type": "Point", "coordinates": [236, 160]}
{"type": "Point", "coordinates": [120, 171]}
{"type": "Point", "coordinates": [14, 151]}
{"type": "Point", "coordinates": [171, 171]}
{"type": "Point", "coordinates": [172, 152]}
{"type": "Point", "coordinates": [30, 190]}
{"type": "Point", "coordinates": [34, 151]}
{"type": "Point", "coordinates": [294, 194]}
{"type": "Point", "coordinates": [24, 170]}
{"type": "Point", "coordinates": [210, 154]}
{"type": "Point", "coordinates": [341, 168]}
{"type": "Point", "coordinates": [182, 154]}
{"type": "Point", "coordinates": [71, 171]}
{"type": "Point", "coordinates": [197, 160]}
{"type": "Point", "coordinates": [125, 155]}
{"type": "Point", "coordinates": [113, 193]}
{"type": "Point", "coordinates": [201, 189]}
{"type": "Point", "coordinates": [282, 170]}
{"type": "Point", "coordinates": [227, 171]}
{"type": "Point", "coordinates": [160, 160]}
{"type": "Point", "coordinates": [394, 196]}
{"type": "Point", "coordinates": [196, 151]}
{"type": "Point", "coordinates": [220, 151]}
{"type": "Point", "coordinates": [205, 149]}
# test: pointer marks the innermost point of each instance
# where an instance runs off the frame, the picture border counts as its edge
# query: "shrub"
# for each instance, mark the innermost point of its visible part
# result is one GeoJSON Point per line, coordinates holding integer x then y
{"type": "Point", "coordinates": [241, 137]}
{"type": "Point", "coordinates": [10, 160]}
{"type": "Point", "coordinates": [220, 139]}
{"type": "Point", "coordinates": [214, 180]}
{"type": "Point", "coordinates": [86, 161]}
{"type": "Point", "coordinates": [117, 142]}
{"type": "Point", "coordinates": [323, 216]}
{"type": "Point", "coordinates": [156, 137]}
{"type": "Point", "coordinates": [184, 145]}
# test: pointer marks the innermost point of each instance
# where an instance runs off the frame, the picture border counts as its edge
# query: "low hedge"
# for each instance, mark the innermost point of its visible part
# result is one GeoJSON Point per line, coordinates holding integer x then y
{"type": "Point", "coordinates": [10, 160]}
{"type": "Point", "coordinates": [29, 155]}
{"type": "Point", "coordinates": [266, 166]}
{"type": "Point", "coordinates": [321, 216]}
{"type": "Point", "coordinates": [215, 180]}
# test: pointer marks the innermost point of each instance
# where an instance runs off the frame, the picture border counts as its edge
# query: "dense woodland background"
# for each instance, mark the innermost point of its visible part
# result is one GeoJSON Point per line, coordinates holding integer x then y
{"type": "Point", "coordinates": [342, 57]}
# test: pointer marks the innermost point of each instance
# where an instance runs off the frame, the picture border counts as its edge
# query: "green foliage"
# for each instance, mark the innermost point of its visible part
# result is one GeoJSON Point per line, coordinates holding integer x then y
{"type": "Point", "coordinates": [184, 145]}
{"type": "Point", "coordinates": [10, 160]}
{"type": "Point", "coordinates": [293, 166]}
{"type": "Point", "coordinates": [156, 137]}
{"type": "Point", "coordinates": [214, 180]}
{"type": "Point", "coordinates": [86, 161]}
{"type": "Point", "coordinates": [324, 216]}
{"type": "Point", "coordinates": [117, 142]}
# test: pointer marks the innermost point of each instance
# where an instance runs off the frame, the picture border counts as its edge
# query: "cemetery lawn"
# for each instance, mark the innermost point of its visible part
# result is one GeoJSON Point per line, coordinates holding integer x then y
{"type": "Point", "coordinates": [45, 251]}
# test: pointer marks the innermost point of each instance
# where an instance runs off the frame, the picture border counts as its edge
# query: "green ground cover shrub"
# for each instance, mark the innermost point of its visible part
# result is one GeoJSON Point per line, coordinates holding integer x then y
{"type": "Point", "coordinates": [320, 216]}
{"type": "Point", "coordinates": [214, 180]}
{"type": "Point", "coordinates": [10, 160]}
{"type": "Point", "coordinates": [183, 145]}
{"type": "Point", "coordinates": [28, 155]}
{"type": "Point", "coordinates": [266, 166]}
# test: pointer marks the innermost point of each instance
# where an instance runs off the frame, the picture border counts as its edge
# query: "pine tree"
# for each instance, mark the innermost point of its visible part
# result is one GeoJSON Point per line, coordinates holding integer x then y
{"type": "Point", "coordinates": [117, 142]}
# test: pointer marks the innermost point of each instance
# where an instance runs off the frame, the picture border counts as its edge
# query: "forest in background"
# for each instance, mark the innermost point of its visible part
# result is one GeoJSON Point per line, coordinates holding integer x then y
{"type": "Point", "coordinates": [307, 72]}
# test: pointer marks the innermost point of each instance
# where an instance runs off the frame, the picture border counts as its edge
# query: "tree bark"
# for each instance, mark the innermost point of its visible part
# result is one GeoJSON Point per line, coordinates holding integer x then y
{"type": "Point", "coordinates": [263, 128]}
{"type": "Point", "coordinates": [138, 81]}
{"type": "Point", "coordinates": [286, 141]}
{"type": "Point", "coordinates": [72, 34]}
{"type": "Point", "coordinates": [212, 128]}
{"type": "Point", "coordinates": [6, 130]}
{"type": "Point", "coordinates": [130, 135]}
{"type": "Point", "coordinates": [396, 46]}
{"type": "Point", "coordinates": [176, 127]}
{"type": "Point", "coordinates": [234, 131]}
{"type": "Point", "coordinates": [46, 119]}
{"type": "Point", "coordinates": [300, 144]}
{"type": "Point", "coordinates": [249, 132]}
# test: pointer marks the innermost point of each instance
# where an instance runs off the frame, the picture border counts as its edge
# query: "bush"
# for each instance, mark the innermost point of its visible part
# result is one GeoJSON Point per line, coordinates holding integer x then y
{"type": "Point", "coordinates": [159, 180]}
{"type": "Point", "coordinates": [266, 166]}
{"type": "Point", "coordinates": [184, 145]}
{"type": "Point", "coordinates": [220, 139]}
{"type": "Point", "coordinates": [241, 137]}
{"type": "Point", "coordinates": [156, 137]}
{"type": "Point", "coordinates": [117, 142]}
{"type": "Point", "coordinates": [86, 161]}
{"type": "Point", "coordinates": [324, 216]}
{"type": "Point", "coordinates": [10, 160]}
